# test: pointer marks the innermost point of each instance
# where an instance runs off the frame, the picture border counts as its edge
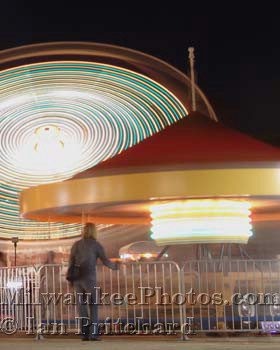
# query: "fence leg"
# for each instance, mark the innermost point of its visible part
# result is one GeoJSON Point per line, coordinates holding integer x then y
{"type": "Point", "coordinates": [183, 317]}
{"type": "Point", "coordinates": [39, 336]}
{"type": "Point", "coordinates": [38, 316]}
{"type": "Point", "coordinates": [184, 336]}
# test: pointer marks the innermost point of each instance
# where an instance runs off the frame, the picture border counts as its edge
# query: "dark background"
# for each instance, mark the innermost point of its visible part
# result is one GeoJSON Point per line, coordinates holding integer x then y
{"type": "Point", "coordinates": [237, 48]}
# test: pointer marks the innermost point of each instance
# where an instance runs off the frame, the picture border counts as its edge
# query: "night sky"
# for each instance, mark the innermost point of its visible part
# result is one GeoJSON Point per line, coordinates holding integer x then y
{"type": "Point", "coordinates": [237, 51]}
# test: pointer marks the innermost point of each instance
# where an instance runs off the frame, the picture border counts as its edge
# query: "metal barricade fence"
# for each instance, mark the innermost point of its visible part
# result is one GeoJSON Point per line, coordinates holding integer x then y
{"type": "Point", "coordinates": [150, 297]}
{"type": "Point", "coordinates": [18, 296]}
{"type": "Point", "coordinates": [135, 298]}
{"type": "Point", "coordinates": [233, 295]}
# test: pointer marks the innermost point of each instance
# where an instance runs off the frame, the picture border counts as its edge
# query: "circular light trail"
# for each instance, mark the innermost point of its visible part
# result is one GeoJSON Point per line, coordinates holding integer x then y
{"type": "Point", "coordinates": [99, 109]}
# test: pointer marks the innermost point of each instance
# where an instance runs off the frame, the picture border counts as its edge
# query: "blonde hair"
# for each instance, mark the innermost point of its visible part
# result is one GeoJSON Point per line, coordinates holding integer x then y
{"type": "Point", "coordinates": [89, 231]}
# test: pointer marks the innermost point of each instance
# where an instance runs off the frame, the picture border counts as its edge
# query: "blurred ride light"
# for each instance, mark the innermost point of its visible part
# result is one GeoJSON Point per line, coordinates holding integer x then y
{"type": "Point", "coordinates": [201, 221]}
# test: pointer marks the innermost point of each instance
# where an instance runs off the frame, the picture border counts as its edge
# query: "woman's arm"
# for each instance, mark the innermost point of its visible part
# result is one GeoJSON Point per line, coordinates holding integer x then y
{"type": "Point", "coordinates": [102, 256]}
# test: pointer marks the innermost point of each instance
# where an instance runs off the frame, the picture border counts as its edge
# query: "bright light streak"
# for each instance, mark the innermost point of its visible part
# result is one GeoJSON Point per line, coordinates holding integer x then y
{"type": "Point", "coordinates": [201, 221]}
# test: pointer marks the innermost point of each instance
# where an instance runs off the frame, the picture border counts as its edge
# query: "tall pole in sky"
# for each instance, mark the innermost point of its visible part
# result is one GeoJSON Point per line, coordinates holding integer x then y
{"type": "Point", "coordinates": [191, 62]}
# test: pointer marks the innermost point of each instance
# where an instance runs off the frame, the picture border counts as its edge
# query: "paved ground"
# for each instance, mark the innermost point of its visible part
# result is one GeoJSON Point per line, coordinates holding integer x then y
{"type": "Point", "coordinates": [267, 343]}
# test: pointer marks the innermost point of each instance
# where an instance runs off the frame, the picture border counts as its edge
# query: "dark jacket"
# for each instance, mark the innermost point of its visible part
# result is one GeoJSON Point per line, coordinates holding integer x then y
{"type": "Point", "coordinates": [85, 253]}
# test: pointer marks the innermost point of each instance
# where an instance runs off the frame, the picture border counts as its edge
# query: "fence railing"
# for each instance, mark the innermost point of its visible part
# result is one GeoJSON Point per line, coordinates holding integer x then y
{"type": "Point", "coordinates": [127, 295]}
{"type": "Point", "coordinates": [149, 297]}
{"type": "Point", "coordinates": [233, 295]}
{"type": "Point", "coordinates": [17, 295]}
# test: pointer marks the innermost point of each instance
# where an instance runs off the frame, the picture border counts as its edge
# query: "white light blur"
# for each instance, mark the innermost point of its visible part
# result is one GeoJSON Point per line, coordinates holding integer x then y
{"type": "Point", "coordinates": [14, 284]}
{"type": "Point", "coordinates": [201, 221]}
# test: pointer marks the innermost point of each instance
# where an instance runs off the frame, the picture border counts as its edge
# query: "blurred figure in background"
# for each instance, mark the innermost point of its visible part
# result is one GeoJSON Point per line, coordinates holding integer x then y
{"type": "Point", "coordinates": [50, 258]}
{"type": "Point", "coordinates": [3, 260]}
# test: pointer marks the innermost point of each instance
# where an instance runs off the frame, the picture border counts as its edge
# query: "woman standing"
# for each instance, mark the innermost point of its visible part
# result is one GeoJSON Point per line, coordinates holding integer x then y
{"type": "Point", "coordinates": [85, 253]}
